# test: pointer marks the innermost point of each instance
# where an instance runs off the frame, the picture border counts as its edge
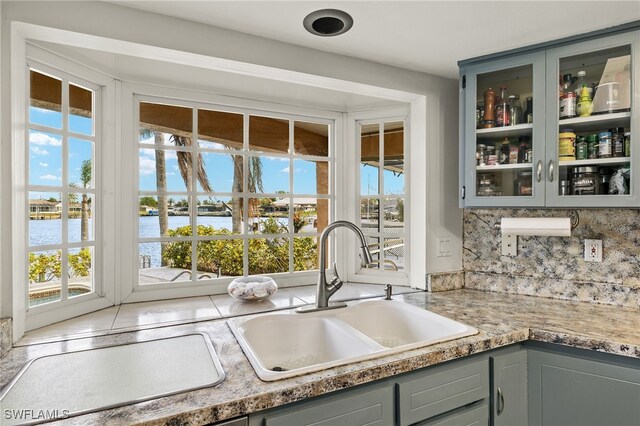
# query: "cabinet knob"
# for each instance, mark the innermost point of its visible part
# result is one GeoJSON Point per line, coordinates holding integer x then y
{"type": "Point", "coordinates": [550, 170]}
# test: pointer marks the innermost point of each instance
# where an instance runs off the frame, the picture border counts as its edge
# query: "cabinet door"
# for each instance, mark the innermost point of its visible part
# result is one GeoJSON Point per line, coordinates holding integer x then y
{"type": "Point", "coordinates": [509, 389]}
{"type": "Point", "coordinates": [512, 177]}
{"type": "Point", "coordinates": [608, 101]}
{"type": "Point", "coordinates": [371, 405]}
{"type": "Point", "coordinates": [567, 390]}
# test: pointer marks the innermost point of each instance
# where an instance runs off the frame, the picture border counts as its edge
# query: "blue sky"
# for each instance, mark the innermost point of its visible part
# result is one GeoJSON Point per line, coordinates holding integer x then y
{"type": "Point", "coordinates": [45, 149]}
{"type": "Point", "coordinates": [219, 167]}
{"type": "Point", "coordinates": [393, 184]}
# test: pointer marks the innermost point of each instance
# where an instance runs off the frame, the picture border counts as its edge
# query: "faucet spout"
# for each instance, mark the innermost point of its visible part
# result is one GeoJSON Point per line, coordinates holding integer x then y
{"type": "Point", "coordinates": [324, 289]}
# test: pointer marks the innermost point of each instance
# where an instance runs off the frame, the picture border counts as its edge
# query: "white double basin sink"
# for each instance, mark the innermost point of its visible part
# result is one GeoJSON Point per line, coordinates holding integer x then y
{"type": "Point", "coordinates": [286, 344]}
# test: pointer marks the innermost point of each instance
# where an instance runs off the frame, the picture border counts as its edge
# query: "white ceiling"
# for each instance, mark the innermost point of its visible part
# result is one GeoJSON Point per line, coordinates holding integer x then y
{"type": "Point", "coordinates": [427, 36]}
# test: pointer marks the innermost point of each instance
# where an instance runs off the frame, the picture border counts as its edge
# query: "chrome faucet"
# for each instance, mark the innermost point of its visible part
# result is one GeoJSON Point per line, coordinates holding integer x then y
{"type": "Point", "coordinates": [324, 289]}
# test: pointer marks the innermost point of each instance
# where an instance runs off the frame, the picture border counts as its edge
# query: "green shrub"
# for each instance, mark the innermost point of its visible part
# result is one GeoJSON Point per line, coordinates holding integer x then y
{"type": "Point", "coordinates": [45, 267]}
{"type": "Point", "coordinates": [265, 255]}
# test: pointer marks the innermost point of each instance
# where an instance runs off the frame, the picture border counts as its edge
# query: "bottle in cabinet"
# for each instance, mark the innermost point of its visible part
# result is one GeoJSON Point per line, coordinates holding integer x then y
{"type": "Point", "coordinates": [528, 112]}
{"type": "Point", "coordinates": [489, 116]}
{"type": "Point", "coordinates": [502, 108]}
{"type": "Point", "coordinates": [567, 98]}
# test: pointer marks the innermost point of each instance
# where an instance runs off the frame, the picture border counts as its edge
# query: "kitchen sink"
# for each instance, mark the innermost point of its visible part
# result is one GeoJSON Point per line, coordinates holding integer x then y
{"type": "Point", "coordinates": [287, 344]}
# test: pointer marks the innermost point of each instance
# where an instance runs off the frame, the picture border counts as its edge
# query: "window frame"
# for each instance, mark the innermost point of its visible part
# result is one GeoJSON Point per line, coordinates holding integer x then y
{"type": "Point", "coordinates": [355, 272]}
{"type": "Point", "coordinates": [103, 260]}
{"type": "Point", "coordinates": [134, 93]}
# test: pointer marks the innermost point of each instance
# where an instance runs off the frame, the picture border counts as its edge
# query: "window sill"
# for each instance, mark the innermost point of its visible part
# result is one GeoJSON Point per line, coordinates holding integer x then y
{"type": "Point", "coordinates": [163, 313]}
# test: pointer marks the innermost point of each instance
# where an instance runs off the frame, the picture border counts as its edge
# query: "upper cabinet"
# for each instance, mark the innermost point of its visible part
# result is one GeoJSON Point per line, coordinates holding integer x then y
{"type": "Point", "coordinates": [555, 127]}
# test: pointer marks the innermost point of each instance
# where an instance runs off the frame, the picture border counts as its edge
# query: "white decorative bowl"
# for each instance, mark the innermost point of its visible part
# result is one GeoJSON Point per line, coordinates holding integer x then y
{"type": "Point", "coordinates": [252, 288]}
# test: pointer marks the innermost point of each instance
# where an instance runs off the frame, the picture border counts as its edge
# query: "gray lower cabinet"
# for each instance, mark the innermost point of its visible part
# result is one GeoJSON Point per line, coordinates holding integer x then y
{"type": "Point", "coordinates": [534, 383]}
{"type": "Point", "coordinates": [509, 388]}
{"type": "Point", "coordinates": [365, 405]}
{"type": "Point", "coordinates": [572, 389]}
{"type": "Point", "coordinates": [452, 393]}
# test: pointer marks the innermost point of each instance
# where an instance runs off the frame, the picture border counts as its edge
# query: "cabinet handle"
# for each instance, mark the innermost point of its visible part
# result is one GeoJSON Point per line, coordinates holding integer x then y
{"type": "Point", "coordinates": [550, 170]}
{"type": "Point", "coordinates": [500, 401]}
{"type": "Point", "coordinates": [539, 171]}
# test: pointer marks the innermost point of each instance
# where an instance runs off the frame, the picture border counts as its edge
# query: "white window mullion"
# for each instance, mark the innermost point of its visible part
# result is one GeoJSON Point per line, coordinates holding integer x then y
{"type": "Point", "coordinates": [291, 200]}
{"type": "Point", "coordinates": [245, 191]}
{"type": "Point", "coordinates": [64, 267]}
{"type": "Point", "coordinates": [193, 192]}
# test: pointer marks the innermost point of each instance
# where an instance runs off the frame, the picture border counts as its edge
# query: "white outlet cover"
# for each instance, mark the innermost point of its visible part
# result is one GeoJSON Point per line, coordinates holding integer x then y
{"type": "Point", "coordinates": [593, 250]}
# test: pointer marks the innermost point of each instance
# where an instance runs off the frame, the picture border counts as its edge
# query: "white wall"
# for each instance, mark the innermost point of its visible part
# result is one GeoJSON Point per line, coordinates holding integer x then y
{"type": "Point", "coordinates": [113, 22]}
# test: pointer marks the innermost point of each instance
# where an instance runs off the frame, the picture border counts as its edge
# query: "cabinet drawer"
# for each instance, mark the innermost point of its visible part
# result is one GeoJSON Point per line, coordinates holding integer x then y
{"type": "Point", "coordinates": [348, 408]}
{"type": "Point", "coordinates": [473, 415]}
{"type": "Point", "coordinates": [440, 389]}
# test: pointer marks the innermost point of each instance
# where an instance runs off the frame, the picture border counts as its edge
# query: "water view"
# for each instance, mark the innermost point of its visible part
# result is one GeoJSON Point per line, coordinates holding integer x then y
{"type": "Point", "coordinates": [48, 232]}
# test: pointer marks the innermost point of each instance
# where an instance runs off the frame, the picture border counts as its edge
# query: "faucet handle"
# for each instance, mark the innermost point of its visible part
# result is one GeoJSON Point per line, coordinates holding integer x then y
{"type": "Point", "coordinates": [334, 271]}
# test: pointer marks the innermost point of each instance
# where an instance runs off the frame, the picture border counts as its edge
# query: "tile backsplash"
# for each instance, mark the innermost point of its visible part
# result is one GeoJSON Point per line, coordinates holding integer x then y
{"type": "Point", "coordinates": [555, 266]}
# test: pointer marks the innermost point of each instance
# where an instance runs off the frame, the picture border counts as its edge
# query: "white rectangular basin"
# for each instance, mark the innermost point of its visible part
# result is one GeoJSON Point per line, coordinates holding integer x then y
{"type": "Point", "coordinates": [395, 324]}
{"type": "Point", "coordinates": [287, 344]}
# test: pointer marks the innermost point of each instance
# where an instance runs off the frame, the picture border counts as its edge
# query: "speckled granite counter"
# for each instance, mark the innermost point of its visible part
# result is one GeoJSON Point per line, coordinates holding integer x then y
{"type": "Point", "coordinates": [502, 319]}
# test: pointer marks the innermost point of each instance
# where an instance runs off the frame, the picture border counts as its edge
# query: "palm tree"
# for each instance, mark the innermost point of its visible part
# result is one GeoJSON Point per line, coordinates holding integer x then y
{"type": "Point", "coordinates": [185, 164]}
{"type": "Point", "coordinates": [161, 184]}
{"type": "Point", "coordinates": [85, 178]}
{"type": "Point", "coordinates": [255, 185]}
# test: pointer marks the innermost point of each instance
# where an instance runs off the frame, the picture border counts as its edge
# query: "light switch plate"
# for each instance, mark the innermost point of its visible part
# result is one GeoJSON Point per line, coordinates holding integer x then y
{"type": "Point", "coordinates": [593, 250]}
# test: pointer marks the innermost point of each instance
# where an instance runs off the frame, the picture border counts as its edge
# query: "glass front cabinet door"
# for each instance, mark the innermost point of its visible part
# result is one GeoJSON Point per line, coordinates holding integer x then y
{"type": "Point", "coordinates": [592, 145]}
{"type": "Point", "coordinates": [558, 127]}
{"type": "Point", "coordinates": [504, 130]}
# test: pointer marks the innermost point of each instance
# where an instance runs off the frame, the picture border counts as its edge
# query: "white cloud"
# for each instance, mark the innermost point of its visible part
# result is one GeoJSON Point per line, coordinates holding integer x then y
{"type": "Point", "coordinates": [147, 166]}
{"type": "Point", "coordinates": [285, 170]}
{"type": "Point", "coordinates": [43, 139]}
{"type": "Point", "coordinates": [49, 177]}
{"type": "Point", "coordinates": [45, 165]}
{"type": "Point", "coordinates": [39, 151]}
{"type": "Point", "coordinates": [151, 153]}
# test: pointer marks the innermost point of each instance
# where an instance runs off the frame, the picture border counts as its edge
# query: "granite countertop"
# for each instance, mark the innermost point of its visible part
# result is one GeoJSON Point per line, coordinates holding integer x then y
{"type": "Point", "coordinates": [502, 319]}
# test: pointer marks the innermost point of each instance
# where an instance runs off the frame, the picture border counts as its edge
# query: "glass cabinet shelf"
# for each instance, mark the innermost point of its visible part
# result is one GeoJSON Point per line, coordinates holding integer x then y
{"type": "Point", "coordinates": [506, 131]}
{"type": "Point", "coordinates": [596, 162]}
{"type": "Point", "coordinates": [596, 122]}
{"type": "Point", "coordinates": [499, 167]}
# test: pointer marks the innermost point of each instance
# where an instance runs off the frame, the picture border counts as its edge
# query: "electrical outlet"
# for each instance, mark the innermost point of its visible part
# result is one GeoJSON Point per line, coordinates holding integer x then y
{"type": "Point", "coordinates": [593, 250]}
{"type": "Point", "coordinates": [444, 246]}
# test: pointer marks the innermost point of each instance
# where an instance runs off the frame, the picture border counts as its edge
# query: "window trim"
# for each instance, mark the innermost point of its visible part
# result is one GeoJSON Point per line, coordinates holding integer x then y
{"type": "Point", "coordinates": [133, 93]}
{"type": "Point", "coordinates": [25, 317]}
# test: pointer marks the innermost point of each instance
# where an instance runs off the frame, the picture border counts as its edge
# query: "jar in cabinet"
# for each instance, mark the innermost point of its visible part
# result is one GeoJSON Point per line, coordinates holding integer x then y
{"type": "Point", "coordinates": [567, 146]}
{"type": "Point", "coordinates": [604, 145]}
{"type": "Point", "coordinates": [582, 152]}
{"type": "Point", "coordinates": [523, 185]}
{"type": "Point", "coordinates": [492, 158]}
{"type": "Point", "coordinates": [481, 155]}
{"type": "Point", "coordinates": [627, 144]}
{"type": "Point", "coordinates": [592, 146]}
{"type": "Point", "coordinates": [487, 185]}
{"type": "Point", "coordinates": [585, 181]}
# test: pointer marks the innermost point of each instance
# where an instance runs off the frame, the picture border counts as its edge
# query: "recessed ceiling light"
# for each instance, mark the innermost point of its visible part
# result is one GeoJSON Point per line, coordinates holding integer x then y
{"type": "Point", "coordinates": [328, 22]}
